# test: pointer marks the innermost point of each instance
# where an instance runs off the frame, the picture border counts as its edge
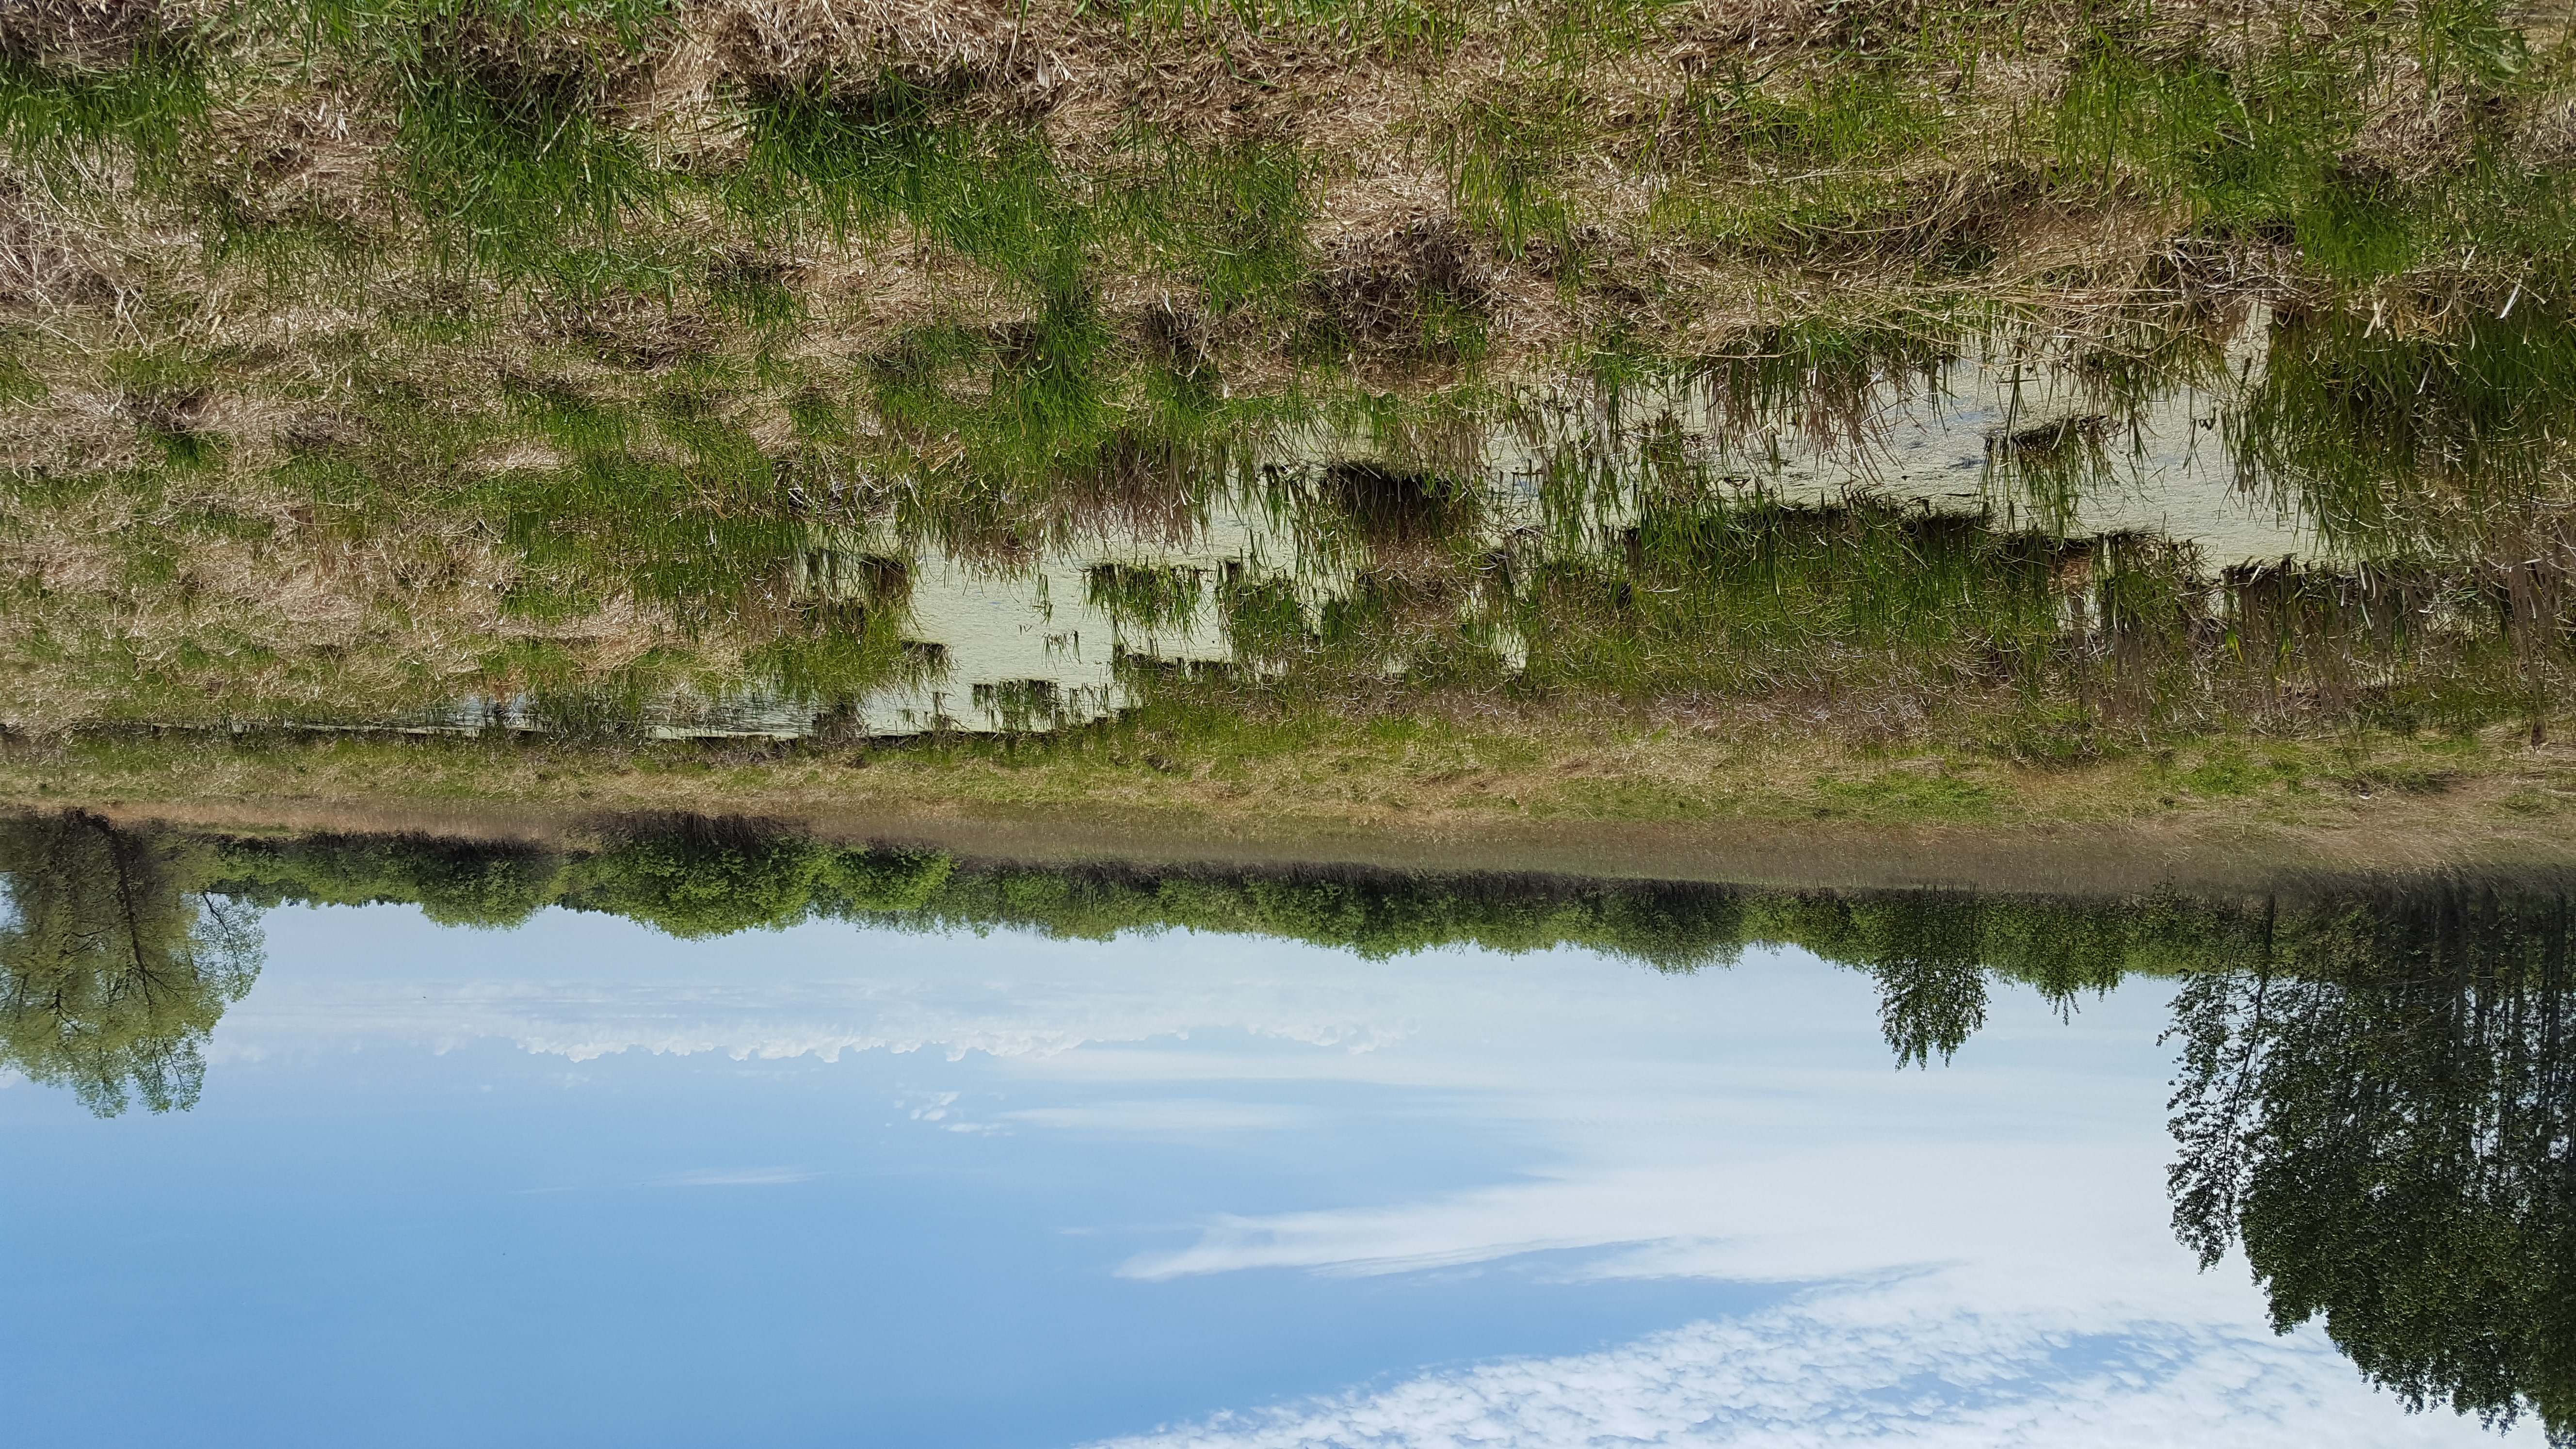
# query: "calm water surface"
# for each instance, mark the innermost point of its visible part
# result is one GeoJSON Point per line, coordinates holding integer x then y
{"type": "Point", "coordinates": [585, 1184]}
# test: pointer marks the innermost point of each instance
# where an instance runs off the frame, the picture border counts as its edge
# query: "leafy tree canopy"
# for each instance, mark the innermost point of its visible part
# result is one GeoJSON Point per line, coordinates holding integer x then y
{"type": "Point", "coordinates": [2384, 1115]}
{"type": "Point", "coordinates": [115, 963]}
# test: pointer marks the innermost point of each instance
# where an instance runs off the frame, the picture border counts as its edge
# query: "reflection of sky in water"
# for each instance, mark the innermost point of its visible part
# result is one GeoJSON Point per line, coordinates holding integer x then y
{"type": "Point", "coordinates": [582, 1184]}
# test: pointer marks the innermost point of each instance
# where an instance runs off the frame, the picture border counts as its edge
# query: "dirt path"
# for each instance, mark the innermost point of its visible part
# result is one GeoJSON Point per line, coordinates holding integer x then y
{"type": "Point", "coordinates": [2054, 859]}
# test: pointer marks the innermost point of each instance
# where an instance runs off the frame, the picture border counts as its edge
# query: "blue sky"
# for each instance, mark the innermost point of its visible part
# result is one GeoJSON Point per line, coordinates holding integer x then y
{"type": "Point", "coordinates": [583, 1184]}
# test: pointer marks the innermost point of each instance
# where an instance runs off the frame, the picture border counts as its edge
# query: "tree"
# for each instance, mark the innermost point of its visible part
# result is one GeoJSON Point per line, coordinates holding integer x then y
{"type": "Point", "coordinates": [2384, 1114]}
{"type": "Point", "coordinates": [1926, 949]}
{"type": "Point", "coordinates": [114, 964]}
{"type": "Point", "coordinates": [698, 877]}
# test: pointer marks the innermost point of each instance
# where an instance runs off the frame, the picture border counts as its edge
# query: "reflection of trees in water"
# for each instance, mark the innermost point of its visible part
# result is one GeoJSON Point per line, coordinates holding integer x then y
{"type": "Point", "coordinates": [1928, 950]}
{"type": "Point", "coordinates": [114, 964]}
{"type": "Point", "coordinates": [2376, 1094]}
{"type": "Point", "coordinates": [2382, 1115]}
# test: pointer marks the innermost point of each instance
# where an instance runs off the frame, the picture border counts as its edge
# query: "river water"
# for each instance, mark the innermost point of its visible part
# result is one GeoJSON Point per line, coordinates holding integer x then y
{"type": "Point", "coordinates": [583, 1183]}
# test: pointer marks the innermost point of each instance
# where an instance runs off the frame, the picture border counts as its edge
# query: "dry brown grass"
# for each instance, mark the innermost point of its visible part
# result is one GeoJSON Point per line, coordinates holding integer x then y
{"type": "Point", "coordinates": [2546, 134]}
{"type": "Point", "coordinates": [1371, 122]}
{"type": "Point", "coordinates": [313, 158]}
{"type": "Point", "coordinates": [1377, 286]}
{"type": "Point", "coordinates": [561, 58]}
{"type": "Point", "coordinates": [278, 608]}
{"type": "Point", "coordinates": [49, 262]}
{"type": "Point", "coordinates": [69, 431]}
{"type": "Point", "coordinates": [2412, 129]}
{"type": "Point", "coordinates": [90, 35]}
{"type": "Point", "coordinates": [1015, 56]}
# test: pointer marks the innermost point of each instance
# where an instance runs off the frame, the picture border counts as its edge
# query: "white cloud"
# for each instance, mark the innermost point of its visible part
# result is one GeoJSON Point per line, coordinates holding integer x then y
{"type": "Point", "coordinates": [1994, 1235]}
{"type": "Point", "coordinates": [2019, 1224]}
{"type": "Point", "coordinates": [1838, 1369]}
{"type": "Point", "coordinates": [1000, 996]}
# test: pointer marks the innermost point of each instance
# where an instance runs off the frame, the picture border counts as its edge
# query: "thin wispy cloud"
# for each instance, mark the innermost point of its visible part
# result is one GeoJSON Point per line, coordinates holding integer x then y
{"type": "Point", "coordinates": [2015, 1219]}
{"type": "Point", "coordinates": [1181, 1117]}
{"type": "Point", "coordinates": [1025, 1014]}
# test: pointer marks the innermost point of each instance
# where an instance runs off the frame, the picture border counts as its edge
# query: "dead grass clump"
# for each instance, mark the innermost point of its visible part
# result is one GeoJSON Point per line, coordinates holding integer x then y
{"type": "Point", "coordinates": [44, 264]}
{"type": "Point", "coordinates": [748, 270]}
{"type": "Point", "coordinates": [1175, 335]}
{"type": "Point", "coordinates": [298, 164]}
{"type": "Point", "coordinates": [2545, 140]}
{"type": "Point", "coordinates": [1140, 489]}
{"type": "Point", "coordinates": [1944, 218]}
{"type": "Point", "coordinates": [1400, 290]}
{"type": "Point", "coordinates": [541, 70]}
{"type": "Point", "coordinates": [1720, 30]}
{"type": "Point", "coordinates": [1953, 215]}
{"type": "Point", "coordinates": [519, 455]}
{"type": "Point", "coordinates": [2219, 277]}
{"type": "Point", "coordinates": [2412, 131]}
{"type": "Point", "coordinates": [823, 48]}
{"type": "Point", "coordinates": [1214, 76]}
{"type": "Point", "coordinates": [169, 409]}
{"type": "Point", "coordinates": [1407, 519]}
{"type": "Point", "coordinates": [321, 430]}
{"type": "Point", "coordinates": [629, 331]}
{"type": "Point", "coordinates": [88, 35]}
{"type": "Point", "coordinates": [68, 431]}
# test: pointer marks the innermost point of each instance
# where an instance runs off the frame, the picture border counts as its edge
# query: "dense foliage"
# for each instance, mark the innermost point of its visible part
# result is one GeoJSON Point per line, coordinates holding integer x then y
{"type": "Point", "coordinates": [116, 961]}
{"type": "Point", "coordinates": [2383, 1112]}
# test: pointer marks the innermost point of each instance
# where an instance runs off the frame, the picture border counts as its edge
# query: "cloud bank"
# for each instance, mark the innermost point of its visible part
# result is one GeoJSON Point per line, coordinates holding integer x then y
{"type": "Point", "coordinates": [1837, 1370]}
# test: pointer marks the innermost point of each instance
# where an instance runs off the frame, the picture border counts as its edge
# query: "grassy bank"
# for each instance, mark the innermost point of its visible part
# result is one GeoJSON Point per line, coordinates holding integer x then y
{"type": "Point", "coordinates": [1317, 786]}
{"type": "Point", "coordinates": [362, 357]}
{"type": "Point", "coordinates": [1364, 186]}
